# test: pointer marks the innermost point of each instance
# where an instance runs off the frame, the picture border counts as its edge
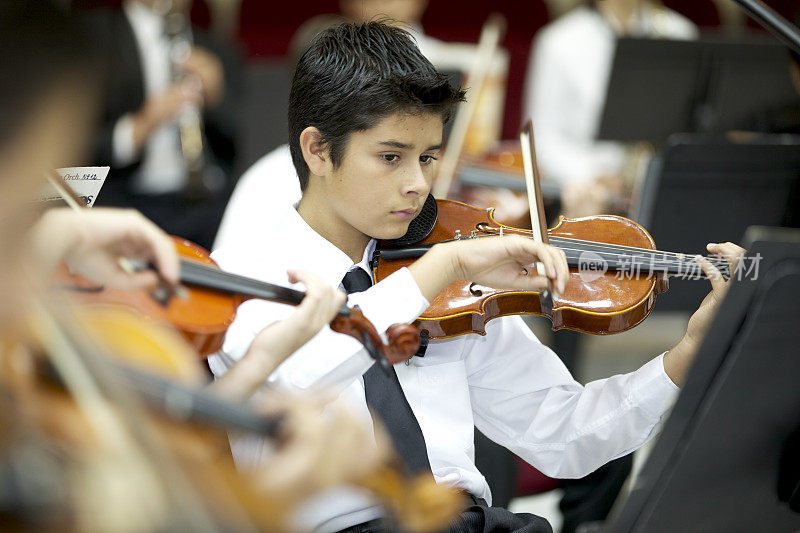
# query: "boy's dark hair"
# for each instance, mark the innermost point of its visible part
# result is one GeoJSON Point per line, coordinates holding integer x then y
{"type": "Point", "coordinates": [354, 75]}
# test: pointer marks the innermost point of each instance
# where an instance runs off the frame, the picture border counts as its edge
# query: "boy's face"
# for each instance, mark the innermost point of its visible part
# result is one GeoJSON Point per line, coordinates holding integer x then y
{"type": "Point", "coordinates": [386, 174]}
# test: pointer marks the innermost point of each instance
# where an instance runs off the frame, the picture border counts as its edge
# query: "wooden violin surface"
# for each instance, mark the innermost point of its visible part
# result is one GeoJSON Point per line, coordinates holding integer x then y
{"type": "Point", "coordinates": [593, 302]}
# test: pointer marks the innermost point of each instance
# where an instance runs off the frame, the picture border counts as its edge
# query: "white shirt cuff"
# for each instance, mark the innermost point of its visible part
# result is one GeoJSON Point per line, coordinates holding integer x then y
{"type": "Point", "coordinates": [122, 146]}
{"type": "Point", "coordinates": [652, 388]}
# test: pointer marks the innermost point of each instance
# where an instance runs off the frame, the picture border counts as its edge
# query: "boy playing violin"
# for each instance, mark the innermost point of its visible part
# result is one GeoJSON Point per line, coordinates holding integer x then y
{"type": "Point", "coordinates": [366, 114]}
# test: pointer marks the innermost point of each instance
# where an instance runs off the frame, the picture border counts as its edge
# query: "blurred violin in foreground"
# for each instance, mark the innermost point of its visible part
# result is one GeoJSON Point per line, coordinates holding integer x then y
{"type": "Point", "coordinates": [122, 401]}
{"type": "Point", "coordinates": [206, 306]}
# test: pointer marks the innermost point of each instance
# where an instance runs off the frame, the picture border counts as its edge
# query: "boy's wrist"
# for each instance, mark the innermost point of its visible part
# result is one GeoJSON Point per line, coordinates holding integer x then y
{"type": "Point", "coordinates": [678, 360]}
{"type": "Point", "coordinates": [435, 270]}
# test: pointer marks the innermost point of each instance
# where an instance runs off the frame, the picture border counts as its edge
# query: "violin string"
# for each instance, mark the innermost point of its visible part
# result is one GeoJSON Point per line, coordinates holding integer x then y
{"type": "Point", "coordinates": [515, 231]}
{"type": "Point", "coordinates": [682, 258]}
{"type": "Point", "coordinates": [671, 258]}
{"type": "Point", "coordinates": [652, 259]}
{"type": "Point", "coordinates": [687, 267]}
{"type": "Point", "coordinates": [623, 250]}
{"type": "Point", "coordinates": [608, 245]}
{"type": "Point", "coordinates": [641, 261]}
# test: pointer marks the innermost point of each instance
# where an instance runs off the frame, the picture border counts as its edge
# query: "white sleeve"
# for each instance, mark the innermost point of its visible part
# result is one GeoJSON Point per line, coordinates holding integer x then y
{"type": "Point", "coordinates": [122, 145]}
{"type": "Point", "coordinates": [331, 360]}
{"type": "Point", "coordinates": [525, 399]}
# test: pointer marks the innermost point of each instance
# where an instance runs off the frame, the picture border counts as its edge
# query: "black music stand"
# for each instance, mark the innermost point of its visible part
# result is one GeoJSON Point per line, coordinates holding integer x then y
{"type": "Point", "coordinates": [659, 87]}
{"type": "Point", "coordinates": [730, 443]}
{"type": "Point", "coordinates": [706, 189]}
{"type": "Point", "coordinates": [651, 91]}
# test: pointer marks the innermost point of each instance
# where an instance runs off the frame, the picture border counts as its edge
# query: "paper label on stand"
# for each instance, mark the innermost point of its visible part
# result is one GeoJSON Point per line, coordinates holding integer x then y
{"type": "Point", "coordinates": [86, 182]}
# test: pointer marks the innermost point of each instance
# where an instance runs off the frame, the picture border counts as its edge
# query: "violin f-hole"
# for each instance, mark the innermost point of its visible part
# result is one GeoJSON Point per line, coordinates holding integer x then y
{"type": "Point", "coordinates": [474, 291]}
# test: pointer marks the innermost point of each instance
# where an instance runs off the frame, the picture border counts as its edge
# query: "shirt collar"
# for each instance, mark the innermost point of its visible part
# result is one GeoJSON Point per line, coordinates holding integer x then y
{"type": "Point", "coordinates": [329, 262]}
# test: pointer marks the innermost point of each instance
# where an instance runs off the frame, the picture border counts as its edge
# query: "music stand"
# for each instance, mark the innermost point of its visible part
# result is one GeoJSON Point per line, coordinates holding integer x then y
{"type": "Point", "coordinates": [744, 79]}
{"type": "Point", "coordinates": [651, 90]}
{"type": "Point", "coordinates": [724, 450]}
{"type": "Point", "coordinates": [659, 87]}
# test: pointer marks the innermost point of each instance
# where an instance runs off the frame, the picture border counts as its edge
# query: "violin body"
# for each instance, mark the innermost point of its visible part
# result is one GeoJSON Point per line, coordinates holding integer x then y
{"type": "Point", "coordinates": [598, 303]}
{"type": "Point", "coordinates": [202, 316]}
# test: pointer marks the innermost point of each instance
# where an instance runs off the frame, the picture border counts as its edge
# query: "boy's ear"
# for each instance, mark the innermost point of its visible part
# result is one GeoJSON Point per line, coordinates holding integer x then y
{"type": "Point", "coordinates": [315, 151]}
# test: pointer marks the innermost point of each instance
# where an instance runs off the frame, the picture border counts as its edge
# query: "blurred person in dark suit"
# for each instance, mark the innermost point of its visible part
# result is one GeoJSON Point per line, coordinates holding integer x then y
{"type": "Point", "coordinates": [153, 82]}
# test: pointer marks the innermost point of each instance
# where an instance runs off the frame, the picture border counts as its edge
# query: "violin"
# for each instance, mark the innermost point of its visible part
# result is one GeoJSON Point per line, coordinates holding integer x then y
{"type": "Point", "coordinates": [615, 272]}
{"type": "Point", "coordinates": [206, 306]}
{"type": "Point", "coordinates": [86, 383]}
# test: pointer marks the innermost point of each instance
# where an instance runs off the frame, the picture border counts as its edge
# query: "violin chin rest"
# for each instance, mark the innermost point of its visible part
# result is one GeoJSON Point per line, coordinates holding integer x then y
{"type": "Point", "coordinates": [420, 227]}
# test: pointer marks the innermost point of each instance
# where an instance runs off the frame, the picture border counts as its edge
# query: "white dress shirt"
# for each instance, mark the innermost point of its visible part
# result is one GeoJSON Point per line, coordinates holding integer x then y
{"type": "Point", "coordinates": [565, 88]}
{"type": "Point", "coordinates": [509, 385]}
{"type": "Point", "coordinates": [270, 183]}
{"type": "Point", "coordinates": [162, 168]}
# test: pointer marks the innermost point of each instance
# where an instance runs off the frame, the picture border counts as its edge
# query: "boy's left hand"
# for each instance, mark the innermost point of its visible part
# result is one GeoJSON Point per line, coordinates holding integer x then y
{"type": "Point", "coordinates": [678, 360]}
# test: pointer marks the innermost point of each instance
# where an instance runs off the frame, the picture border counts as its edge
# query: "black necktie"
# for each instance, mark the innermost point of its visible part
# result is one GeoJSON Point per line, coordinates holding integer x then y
{"type": "Point", "coordinates": [386, 399]}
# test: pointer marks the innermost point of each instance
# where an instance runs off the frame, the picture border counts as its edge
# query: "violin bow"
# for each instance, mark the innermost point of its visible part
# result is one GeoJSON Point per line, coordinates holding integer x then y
{"type": "Point", "coordinates": [491, 33]}
{"type": "Point", "coordinates": [538, 220]}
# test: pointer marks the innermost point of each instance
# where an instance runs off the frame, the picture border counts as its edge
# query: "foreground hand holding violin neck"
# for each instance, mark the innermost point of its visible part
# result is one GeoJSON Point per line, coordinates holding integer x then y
{"type": "Point", "coordinates": [502, 262]}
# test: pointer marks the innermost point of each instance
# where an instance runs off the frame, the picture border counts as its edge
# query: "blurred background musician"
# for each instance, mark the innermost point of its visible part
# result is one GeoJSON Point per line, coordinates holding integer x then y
{"type": "Point", "coordinates": [566, 81]}
{"type": "Point", "coordinates": [160, 74]}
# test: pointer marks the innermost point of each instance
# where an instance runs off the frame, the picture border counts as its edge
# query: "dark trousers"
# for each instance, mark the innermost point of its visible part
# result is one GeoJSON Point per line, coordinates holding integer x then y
{"type": "Point", "coordinates": [482, 519]}
{"type": "Point", "coordinates": [477, 518]}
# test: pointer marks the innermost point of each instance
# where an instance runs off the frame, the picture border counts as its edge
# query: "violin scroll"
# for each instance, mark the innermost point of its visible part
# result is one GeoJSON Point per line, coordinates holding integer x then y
{"type": "Point", "coordinates": [403, 339]}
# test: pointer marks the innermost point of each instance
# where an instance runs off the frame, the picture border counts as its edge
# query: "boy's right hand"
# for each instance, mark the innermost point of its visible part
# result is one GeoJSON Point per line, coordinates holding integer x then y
{"type": "Point", "coordinates": [506, 262]}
